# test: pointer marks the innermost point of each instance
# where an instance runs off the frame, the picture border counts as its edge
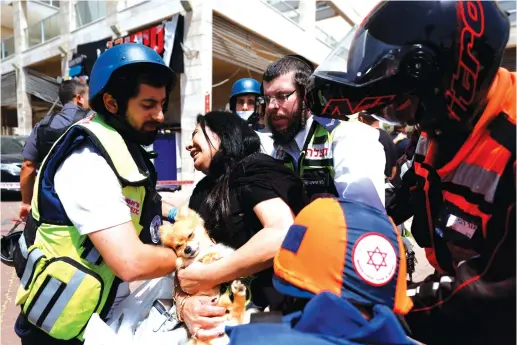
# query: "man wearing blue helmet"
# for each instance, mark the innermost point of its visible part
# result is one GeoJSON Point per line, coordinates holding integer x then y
{"type": "Point", "coordinates": [95, 213]}
{"type": "Point", "coordinates": [246, 101]}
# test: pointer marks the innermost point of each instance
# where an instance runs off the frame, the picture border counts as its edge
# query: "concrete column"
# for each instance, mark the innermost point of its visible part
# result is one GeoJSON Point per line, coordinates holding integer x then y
{"type": "Point", "coordinates": [196, 82]}
{"type": "Point", "coordinates": [112, 8]}
{"type": "Point", "coordinates": [23, 103]}
{"type": "Point", "coordinates": [307, 9]}
{"type": "Point", "coordinates": [67, 18]}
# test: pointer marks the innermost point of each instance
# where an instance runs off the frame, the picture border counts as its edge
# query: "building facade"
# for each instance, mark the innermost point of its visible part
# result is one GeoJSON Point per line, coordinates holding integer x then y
{"type": "Point", "coordinates": [211, 44]}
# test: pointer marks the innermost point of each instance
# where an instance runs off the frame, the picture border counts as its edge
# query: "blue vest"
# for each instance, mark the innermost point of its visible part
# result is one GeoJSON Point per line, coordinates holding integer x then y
{"type": "Point", "coordinates": [327, 319]}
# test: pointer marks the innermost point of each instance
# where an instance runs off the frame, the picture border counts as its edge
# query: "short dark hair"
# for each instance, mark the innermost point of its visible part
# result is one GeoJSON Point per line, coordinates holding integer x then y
{"type": "Point", "coordinates": [367, 118]}
{"type": "Point", "coordinates": [70, 88]}
{"type": "Point", "coordinates": [125, 84]}
{"type": "Point", "coordinates": [301, 66]}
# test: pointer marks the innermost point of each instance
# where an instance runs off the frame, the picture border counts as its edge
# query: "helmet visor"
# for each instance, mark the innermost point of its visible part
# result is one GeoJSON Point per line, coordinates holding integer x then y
{"type": "Point", "coordinates": [361, 73]}
{"type": "Point", "coordinates": [360, 58]}
{"type": "Point", "coordinates": [401, 112]}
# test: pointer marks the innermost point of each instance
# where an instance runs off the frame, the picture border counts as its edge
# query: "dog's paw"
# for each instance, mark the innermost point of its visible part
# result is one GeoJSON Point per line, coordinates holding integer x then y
{"type": "Point", "coordinates": [238, 288]}
{"type": "Point", "coordinates": [180, 263]}
{"type": "Point", "coordinates": [210, 257]}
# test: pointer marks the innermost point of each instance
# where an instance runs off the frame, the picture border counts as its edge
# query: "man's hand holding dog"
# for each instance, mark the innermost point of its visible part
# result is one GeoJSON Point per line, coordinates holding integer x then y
{"type": "Point", "coordinates": [197, 277]}
{"type": "Point", "coordinates": [203, 317]}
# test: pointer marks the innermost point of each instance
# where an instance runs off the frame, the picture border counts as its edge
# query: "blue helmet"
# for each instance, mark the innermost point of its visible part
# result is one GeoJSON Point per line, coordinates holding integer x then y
{"type": "Point", "coordinates": [244, 86]}
{"type": "Point", "coordinates": [120, 56]}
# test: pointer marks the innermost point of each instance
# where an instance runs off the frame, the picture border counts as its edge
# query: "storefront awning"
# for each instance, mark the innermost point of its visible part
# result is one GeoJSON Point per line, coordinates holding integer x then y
{"type": "Point", "coordinates": [9, 89]}
{"type": "Point", "coordinates": [234, 44]}
{"type": "Point", "coordinates": [37, 84]}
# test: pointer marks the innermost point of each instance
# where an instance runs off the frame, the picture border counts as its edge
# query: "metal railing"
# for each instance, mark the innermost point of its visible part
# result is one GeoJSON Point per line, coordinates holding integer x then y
{"type": "Point", "coordinates": [53, 3]}
{"type": "Point", "coordinates": [123, 4]}
{"type": "Point", "coordinates": [8, 46]}
{"type": "Point", "coordinates": [285, 8]}
{"type": "Point", "coordinates": [89, 11]}
{"type": "Point", "coordinates": [43, 31]}
{"type": "Point", "coordinates": [325, 38]}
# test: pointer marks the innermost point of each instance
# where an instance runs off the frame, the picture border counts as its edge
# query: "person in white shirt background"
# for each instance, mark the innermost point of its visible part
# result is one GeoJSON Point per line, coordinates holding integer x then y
{"type": "Point", "coordinates": [334, 158]}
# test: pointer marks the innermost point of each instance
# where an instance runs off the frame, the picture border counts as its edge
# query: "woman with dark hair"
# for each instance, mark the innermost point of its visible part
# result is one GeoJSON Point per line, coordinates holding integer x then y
{"type": "Point", "coordinates": [248, 200]}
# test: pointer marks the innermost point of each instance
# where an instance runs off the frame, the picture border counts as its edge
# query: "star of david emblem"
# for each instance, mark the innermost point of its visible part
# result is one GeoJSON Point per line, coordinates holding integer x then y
{"type": "Point", "coordinates": [377, 258]}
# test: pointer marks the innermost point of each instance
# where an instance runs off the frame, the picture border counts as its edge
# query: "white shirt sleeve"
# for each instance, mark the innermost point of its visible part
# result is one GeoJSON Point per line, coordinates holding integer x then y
{"type": "Point", "coordinates": [266, 143]}
{"type": "Point", "coordinates": [359, 161]}
{"type": "Point", "coordinates": [90, 192]}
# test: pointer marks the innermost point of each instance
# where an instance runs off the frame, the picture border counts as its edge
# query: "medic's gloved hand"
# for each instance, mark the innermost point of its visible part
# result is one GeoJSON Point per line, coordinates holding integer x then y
{"type": "Point", "coordinates": [429, 291]}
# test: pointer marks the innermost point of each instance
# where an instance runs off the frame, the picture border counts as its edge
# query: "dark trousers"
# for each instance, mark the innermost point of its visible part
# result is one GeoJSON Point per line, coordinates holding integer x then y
{"type": "Point", "coordinates": [434, 330]}
{"type": "Point", "coordinates": [31, 335]}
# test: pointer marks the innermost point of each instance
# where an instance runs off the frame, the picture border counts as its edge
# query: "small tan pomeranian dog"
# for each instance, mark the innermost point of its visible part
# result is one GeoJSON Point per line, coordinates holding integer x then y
{"type": "Point", "coordinates": [191, 242]}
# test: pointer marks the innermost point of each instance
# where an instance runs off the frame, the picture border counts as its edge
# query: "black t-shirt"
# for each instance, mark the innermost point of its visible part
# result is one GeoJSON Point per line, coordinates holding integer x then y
{"type": "Point", "coordinates": [389, 150]}
{"type": "Point", "coordinates": [259, 179]}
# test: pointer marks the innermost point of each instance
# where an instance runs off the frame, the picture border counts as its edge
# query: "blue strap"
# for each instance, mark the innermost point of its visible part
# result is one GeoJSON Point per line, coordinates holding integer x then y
{"type": "Point", "coordinates": [173, 212]}
{"type": "Point", "coordinates": [328, 124]}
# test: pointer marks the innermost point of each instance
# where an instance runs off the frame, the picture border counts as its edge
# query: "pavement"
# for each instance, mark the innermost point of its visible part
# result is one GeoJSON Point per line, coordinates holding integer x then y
{"type": "Point", "coordinates": [10, 205]}
{"type": "Point", "coordinates": [423, 267]}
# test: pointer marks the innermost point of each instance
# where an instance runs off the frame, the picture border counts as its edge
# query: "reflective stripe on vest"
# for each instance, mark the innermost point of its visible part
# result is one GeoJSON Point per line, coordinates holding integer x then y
{"type": "Point", "coordinates": [45, 298]}
{"type": "Point", "coordinates": [90, 253]}
{"type": "Point", "coordinates": [23, 246]}
{"type": "Point", "coordinates": [422, 145]}
{"type": "Point", "coordinates": [54, 289]}
{"type": "Point", "coordinates": [93, 256]}
{"type": "Point", "coordinates": [405, 167]}
{"type": "Point", "coordinates": [477, 179]}
{"type": "Point", "coordinates": [318, 152]}
{"type": "Point", "coordinates": [28, 272]}
{"type": "Point", "coordinates": [315, 165]}
{"type": "Point", "coordinates": [468, 191]}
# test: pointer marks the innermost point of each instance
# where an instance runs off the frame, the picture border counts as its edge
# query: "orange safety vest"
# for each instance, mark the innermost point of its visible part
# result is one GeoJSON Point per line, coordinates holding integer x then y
{"type": "Point", "coordinates": [471, 195]}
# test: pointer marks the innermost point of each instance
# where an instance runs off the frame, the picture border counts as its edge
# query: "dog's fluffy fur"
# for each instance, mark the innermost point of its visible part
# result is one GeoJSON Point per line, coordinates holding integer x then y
{"type": "Point", "coordinates": [191, 242]}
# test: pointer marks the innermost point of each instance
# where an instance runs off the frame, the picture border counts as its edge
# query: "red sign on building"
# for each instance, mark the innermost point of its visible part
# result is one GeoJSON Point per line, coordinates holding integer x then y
{"type": "Point", "coordinates": [207, 102]}
{"type": "Point", "coordinates": [152, 37]}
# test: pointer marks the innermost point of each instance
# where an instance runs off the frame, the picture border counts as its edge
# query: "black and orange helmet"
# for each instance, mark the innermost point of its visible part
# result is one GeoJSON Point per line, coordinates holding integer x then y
{"type": "Point", "coordinates": [414, 62]}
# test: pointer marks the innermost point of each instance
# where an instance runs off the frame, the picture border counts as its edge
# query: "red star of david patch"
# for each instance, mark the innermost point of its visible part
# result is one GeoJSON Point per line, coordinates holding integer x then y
{"type": "Point", "coordinates": [377, 258]}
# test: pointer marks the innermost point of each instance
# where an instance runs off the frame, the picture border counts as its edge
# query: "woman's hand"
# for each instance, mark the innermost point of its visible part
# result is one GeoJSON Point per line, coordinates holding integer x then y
{"type": "Point", "coordinates": [197, 277]}
{"type": "Point", "coordinates": [204, 319]}
{"type": "Point", "coordinates": [399, 137]}
{"type": "Point", "coordinates": [254, 256]}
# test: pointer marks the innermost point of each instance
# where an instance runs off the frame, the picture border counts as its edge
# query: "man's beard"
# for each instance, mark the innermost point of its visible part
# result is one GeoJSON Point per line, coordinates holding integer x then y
{"type": "Point", "coordinates": [284, 136]}
{"type": "Point", "coordinates": [141, 137]}
{"type": "Point", "coordinates": [146, 138]}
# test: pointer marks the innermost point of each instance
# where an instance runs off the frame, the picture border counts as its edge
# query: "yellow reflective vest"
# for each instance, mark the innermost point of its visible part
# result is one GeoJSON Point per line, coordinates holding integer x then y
{"type": "Point", "coordinates": [63, 277]}
{"type": "Point", "coordinates": [316, 164]}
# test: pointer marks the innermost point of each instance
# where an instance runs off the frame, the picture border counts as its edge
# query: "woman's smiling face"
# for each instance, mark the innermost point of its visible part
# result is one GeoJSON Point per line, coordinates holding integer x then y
{"type": "Point", "coordinates": [202, 150]}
